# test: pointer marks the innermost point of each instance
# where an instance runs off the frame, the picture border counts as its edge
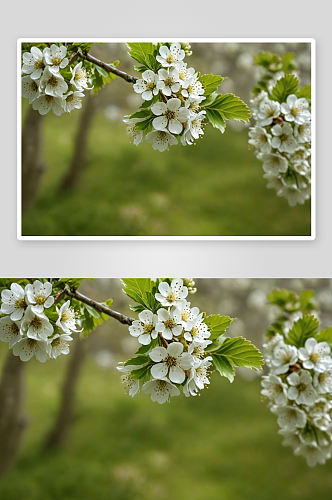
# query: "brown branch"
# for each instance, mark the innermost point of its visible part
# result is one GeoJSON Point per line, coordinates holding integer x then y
{"type": "Point", "coordinates": [108, 67]}
{"type": "Point", "coordinates": [125, 320]}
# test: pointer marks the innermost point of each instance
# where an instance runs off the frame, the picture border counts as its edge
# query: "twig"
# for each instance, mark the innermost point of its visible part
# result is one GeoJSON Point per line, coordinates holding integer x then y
{"type": "Point", "coordinates": [125, 320]}
{"type": "Point", "coordinates": [108, 68]}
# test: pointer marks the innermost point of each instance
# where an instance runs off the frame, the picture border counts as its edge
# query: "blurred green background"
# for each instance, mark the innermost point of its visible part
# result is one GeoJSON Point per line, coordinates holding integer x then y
{"type": "Point", "coordinates": [215, 188]}
{"type": "Point", "coordinates": [222, 445]}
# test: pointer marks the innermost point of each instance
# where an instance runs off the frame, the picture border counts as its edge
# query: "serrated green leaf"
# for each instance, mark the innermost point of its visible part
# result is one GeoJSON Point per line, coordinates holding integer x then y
{"type": "Point", "coordinates": [136, 288]}
{"type": "Point", "coordinates": [302, 329]}
{"type": "Point", "coordinates": [210, 83]}
{"type": "Point", "coordinates": [284, 87]}
{"type": "Point", "coordinates": [288, 62]}
{"type": "Point", "coordinates": [216, 344]}
{"type": "Point", "coordinates": [141, 52]}
{"type": "Point", "coordinates": [141, 372]}
{"type": "Point", "coordinates": [142, 113]}
{"type": "Point", "coordinates": [305, 92]}
{"type": "Point", "coordinates": [325, 336]}
{"type": "Point", "coordinates": [240, 352]}
{"type": "Point", "coordinates": [216, 119]}
{"type": "Point", "coordinates": [268, 60]}
{"type": "Point", "coordinates": [224, 367]}
{"type": "Point", "coordinates": [285, 299]}
{"type": "Point", "coordinates": [307, 301]}
{"type": "Point", "coordinates": [217, 325]}
{"type": "Point", "coordinates": [138, 360]}
{"type": "Point", "coordinates": [230, 107]}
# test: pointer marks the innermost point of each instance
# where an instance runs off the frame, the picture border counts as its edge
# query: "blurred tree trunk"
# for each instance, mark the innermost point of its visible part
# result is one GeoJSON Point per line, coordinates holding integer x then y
{"type": "Point", "coordinates": [78, 162]}
{"type": "Point", "coordinates": [12, 422]}
{"type": "Point", "coordinates": [33, 167]}
{"type": "Point", "coordinates": [65, 416]}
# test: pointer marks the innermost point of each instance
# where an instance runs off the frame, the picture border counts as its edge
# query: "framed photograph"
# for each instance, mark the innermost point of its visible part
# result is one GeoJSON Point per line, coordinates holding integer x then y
{"type": "Point", "coordinates": [134, 139]}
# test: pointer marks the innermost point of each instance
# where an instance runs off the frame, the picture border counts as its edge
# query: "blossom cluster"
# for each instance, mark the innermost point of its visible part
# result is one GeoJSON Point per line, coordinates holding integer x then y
{"type": "Point", "coordinates": [31, 323]}
{"type": "Point", "coordinates": [299, 387]}
{"type": "Point", "coordinates": [50, 83]}
{"type": "Point", "coordinates": [175, 94]}
{"type": "Point", "coordinates": [173, 340]}
{"type": "Point", "coordinates": [282, 138]}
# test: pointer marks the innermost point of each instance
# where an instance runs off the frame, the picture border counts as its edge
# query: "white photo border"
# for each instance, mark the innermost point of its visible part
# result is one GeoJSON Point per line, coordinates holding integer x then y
{"type": "Point", "coordinates": [312, 236]}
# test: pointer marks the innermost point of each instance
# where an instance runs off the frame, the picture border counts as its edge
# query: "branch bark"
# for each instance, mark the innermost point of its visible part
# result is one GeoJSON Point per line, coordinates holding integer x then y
{"type": "Point", "coordinates": [125, 320]}
{"type": "Point", "coordinates": [12, 421]}
{"type": "Point", "coordinates": [107, 67]}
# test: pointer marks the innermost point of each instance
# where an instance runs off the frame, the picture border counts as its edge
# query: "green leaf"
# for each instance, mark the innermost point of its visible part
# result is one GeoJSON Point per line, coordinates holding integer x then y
{"type": "Point", "coordinates": [216, 119]}
{"type": "Point", "coordinates": [136, 289]}
{"type": "Point", "coordinates": [224, 367]}
{"type": "Point", "coordinates": [268, 60]}
{"type": "Point", "coordinates": [92, 311]}
{"type": "Point", "coordinates": [302, 330]}
{"type": "Point", "coordinates": [142, 113]}
{"type": "Point", "coordinates": [138, 360]}
{"type": "Point", "coordinates": [147, 104]}
{"type": "Point", "coordinates": [284, 87]}
{"type": "Point", "coordinates": [288, 62]}
{"type": "Point", "coordinates": [305, 92]}
{"type": "Point", "coordinates": [141, 52]}
{"type": "Point", "coordinates": [140, 373]}
{"type": "Point", "coordinates": [217, 325]}
{"type": "Point", "coordinates": [146, 348]}
{"type": "Point", "coordinates": [325, 336]}
{"type": "Point", "coordinates": [237, 352]}
{"type": "Point", "coordinates": [307, 301]}
{"type": "Point", "coordinates": [230, 107]}
{"type": "Point", "coordinates": [285, 299]}
{"type": "Point", "coordinates": [144, 124]}
{"type": "Point", "coordinates": [102, 71]}
{"type": "Point", "coordinates": [210, 83]}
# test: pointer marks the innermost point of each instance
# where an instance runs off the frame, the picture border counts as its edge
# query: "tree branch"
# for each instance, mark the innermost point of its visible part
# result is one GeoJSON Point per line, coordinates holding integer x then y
{"type": "Point", "coordinates": [108, 68]}
{"type": "Point", "coordinates": [125, 320]}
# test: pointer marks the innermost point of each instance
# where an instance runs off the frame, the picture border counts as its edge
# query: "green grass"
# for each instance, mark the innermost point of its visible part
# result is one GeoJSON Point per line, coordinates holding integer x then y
{"type": "Point", "coordinates": [215, 188]}
{"type": "Point", "coordinates": [222, 445]}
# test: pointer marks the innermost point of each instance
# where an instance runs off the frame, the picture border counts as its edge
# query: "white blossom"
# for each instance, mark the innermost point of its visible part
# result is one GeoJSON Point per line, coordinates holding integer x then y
{"type": "Point", "coordinates": [147, 85]}
{"type": "Point", "coordinates": [290, 417]}
{"type": "Point", "coordinates": [284, 356]}
{"type": "Point", "coordinates": [187, 313]}
{"type": "Point", "coordinates": [198, 377]}
{"type": "Point", "coordinates": [169, 323]}
{"type": "Point", "coordinates": [161, 139]}
{"type": "Point", "coordinates": [168, 81]}
{"type": "Point", "coordinates": [193, 128]}
{"type": "Point", "coordinates": [46, 103]}
{"type": "Point", "coordinates": [30, 88]}
{"type": "Point", "coordinates": [197, 330]}
{"type": "Point", "coordinates": [28, 347]}
{"type": "Point", "coordinates": [171, 361]}
{"type": "Point", "coordinates": [274, 389]}
{"type": "Point", "coordinates": [315, 355]}
{"type": "Point", "coordinates": [72, 100]}
{"type": "Point", "coordinates": [39, 295]}
{"type": "Point", "coordinates": [145, 328]}
{"type": "Point", "coordinates": [260, 139]}
{"type": "Point", "coordinates": [267, 111]}
{"type": "Point", "coordinates": [323, 381]}
{"type": "Point", "coordinates": [192, 87]}
{"type": "Point", "coordinates": [53, 83]}
{"type": "Point", "coordinates": [197, 349]}
{"type": "Point", "coordinates": [33, 63]}
{"type": "Point", "coordinates": [296, 110]}
{"type": "Point", "coordinates": [283, 138]}
{"type": "Point", "coordinates": [312, 452]}
{"type": "Point", "coordinates": [293, 194]}
{"type": "Point", "coordinates": [79, 77]}
{"type": "Point", "coordinates": [301, 389]}
{"type": "Point", "coordinates": [170, 56]}
{"type": "Point", "coordinates": [67, 318]}
{"type": "Point", "coordinates": [131, 385]}
{"type": "Point", "coordinates": [171, 295]}
{"type": "Point", "coordinates": [36, 325]}
{"type": "Point", "coordinates": [13, 302]}
{"type": "Point", "coordinates": [58, 344]}
{"type": "Point", "coordinates": [273, 163]}
{"type": "Point", "coordinates": [170, 115]}
{"type": "Point", "coordinates": [302, 132]}
{"type": "Point", "coordinates": [135, 135]}
{"type": "Point", "coordinates": [161, 390]}
{"type": "Point", "coordinates": [55, 57]}
{"type": "Point", "coordinates": [10, 331]}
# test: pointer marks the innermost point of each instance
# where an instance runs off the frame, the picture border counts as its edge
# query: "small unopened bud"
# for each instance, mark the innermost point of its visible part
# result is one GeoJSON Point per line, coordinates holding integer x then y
{"type": "Point", "coordinates": [295, 368]}
{"type": "Point", "coordinates": [278, 120]}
